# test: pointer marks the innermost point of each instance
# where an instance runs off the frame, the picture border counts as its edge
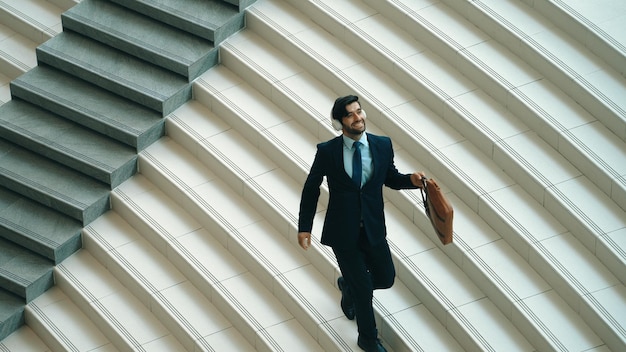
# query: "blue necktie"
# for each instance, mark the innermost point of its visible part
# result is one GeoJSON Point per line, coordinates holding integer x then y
{"type": "Point", "coordinates": [357, 166]}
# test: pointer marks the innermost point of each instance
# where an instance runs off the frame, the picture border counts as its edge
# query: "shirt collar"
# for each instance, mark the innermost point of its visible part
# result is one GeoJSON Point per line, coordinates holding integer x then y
{"type": "Point", "coordinates": [348, 142]}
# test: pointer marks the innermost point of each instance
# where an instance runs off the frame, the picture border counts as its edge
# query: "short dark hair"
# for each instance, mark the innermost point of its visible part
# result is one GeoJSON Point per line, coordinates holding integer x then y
{"type": "Point", "coordinates": [339, 108]}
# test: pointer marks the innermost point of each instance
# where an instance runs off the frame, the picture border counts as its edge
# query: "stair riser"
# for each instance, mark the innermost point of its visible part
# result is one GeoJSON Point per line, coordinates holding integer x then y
{"type": "Point", "coordinates": [56, 253]}
{"type": "Point", "coordinates": [96, 311]}
{"type": "Point", "coordinates": [28, 290]}
{"type": "Point", "coordinates": [12, 314]}
{"type": "Point", "coordinates": [184, 21]}
{"type": "Point", "coordinates": [191, 70]}
{"type": "Point", "coordinates": [220, 297]}
{"type": "Point", "coordinates": [90, 106]}
{"type": "Point", "coordinates": [83, 214]}
{"type": "Point", "coordinates": [164, 92]}
{"type": "Point", "coordinates": [112, 177]}
{"type": "Point", "coordinates": [165, 107]}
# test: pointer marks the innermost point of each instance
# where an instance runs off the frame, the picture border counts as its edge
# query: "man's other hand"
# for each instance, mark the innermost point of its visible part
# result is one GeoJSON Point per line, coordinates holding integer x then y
{"type": "Point", "coordinates": [304, 240]}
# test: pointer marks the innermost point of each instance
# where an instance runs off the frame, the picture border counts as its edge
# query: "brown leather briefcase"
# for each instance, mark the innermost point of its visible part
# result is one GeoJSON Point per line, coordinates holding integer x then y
{"type": "Point", "coordinates": [438, 209]}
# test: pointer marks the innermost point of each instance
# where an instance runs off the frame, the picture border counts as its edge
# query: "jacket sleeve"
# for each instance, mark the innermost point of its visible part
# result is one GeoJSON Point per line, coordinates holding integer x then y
{"type": "Point", "coordinates": [395, 179]}
{"type": "Point", "coordinates": [311, 193]}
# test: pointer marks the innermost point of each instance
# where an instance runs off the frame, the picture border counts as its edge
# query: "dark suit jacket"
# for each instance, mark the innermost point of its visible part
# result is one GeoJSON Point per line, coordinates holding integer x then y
{"type": "Point", "coordinates": [348, 204]}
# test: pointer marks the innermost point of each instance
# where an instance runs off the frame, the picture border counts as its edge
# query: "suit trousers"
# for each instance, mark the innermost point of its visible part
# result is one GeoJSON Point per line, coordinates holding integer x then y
{"type": "Point", "coordinates": [365, 269]}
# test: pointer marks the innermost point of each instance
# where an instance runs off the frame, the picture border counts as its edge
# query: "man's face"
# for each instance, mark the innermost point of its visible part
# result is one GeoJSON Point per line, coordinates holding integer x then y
{"type": "Point", "coordinates": [354, 122]}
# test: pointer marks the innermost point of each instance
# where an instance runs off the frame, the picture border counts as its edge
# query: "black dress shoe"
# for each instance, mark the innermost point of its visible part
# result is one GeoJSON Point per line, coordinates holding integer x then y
{"type": "Point", "coordinates": [371, 345]}
{"type": "Point", "coordinates": [346, 302]}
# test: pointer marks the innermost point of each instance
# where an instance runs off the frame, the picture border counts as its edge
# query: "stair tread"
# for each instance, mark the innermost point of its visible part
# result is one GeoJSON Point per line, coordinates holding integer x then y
{"type": "Point", "coordinates": [89, 105]}
{"type": "Point", "coordinates": [241, 4]}
{"type": "Point", "coordinates": [18, 53]}
{"type": "Point", "coordinates": [37, 227]}
{"type": "Point", "coordinates": [51, 183]}
{"type": "Point", "coordinates": [126, 319]}
{"type": "Point", "coordinates": [11, 313]}
{"type": "Point", "coordinates": [212, 13]}
{"type": "Point", "coordinates": [115, 70]}
{"type": "Point", "coordinates": [61, 320]}
{"type": "Point", "coordinates": [23, 272]}
{"type": "Point", "coordinates": [147, 268]}
{"type": "Point", "coordinates": [135, 34]}
{"type": "Point", "coordinates": [248, 299]}
{"type": "Point", "coordinates": [38, 20]}
{"type": "Point", "coordinates": [206, 18]}
{"type": "Point", "coordinates": [62, 140]}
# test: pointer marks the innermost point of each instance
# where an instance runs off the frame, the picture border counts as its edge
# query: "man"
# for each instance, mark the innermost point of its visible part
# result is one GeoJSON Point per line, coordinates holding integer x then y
{"type": "Point", "coordinates": [356, 165]}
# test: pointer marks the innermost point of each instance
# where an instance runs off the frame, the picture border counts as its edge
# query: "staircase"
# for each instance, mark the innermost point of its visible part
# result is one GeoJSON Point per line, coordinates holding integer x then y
{"type": "Point", "coordinates": [81, 105]}
{"type": "Point", "coordinates": [515, 107]}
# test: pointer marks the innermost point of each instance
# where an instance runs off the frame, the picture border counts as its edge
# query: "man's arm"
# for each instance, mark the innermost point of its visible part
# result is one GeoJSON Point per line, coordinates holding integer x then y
{"type": "Point", "coordinates": [397, 180]}
{"type": "Point", "coordinates": [308, 201]}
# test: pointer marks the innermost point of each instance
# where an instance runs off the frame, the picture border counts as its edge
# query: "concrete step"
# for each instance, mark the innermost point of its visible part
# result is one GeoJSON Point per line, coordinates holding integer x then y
{"type": "Point", "coordinates": [5, 91]}
{"type": "Point", "coordinates": [209, 255]}
{"type": "Point", "coordinates": [11, 313]}
{"type": "Point", "coordinates": [112, 311]}
{"type": "Point", "coordinates": [116, 71]}
{"type": "Point", "coordinates": [23, 339]}
{"type": "Point", "coordinates": [187, 310]}
{"type": "Point", "coordinates": [52, 184]}
{"type": "Point", "coordinates": [214, 20]}
{"type": "Point", "coordinates": [18, 52]}
{"type": "Point", "coordinates": [23, 272]}
{"type": "Point", "coordinates": [66, 142]}
{"type": "Point", "coordinates": [565, 107]}
{"type": "Point", "coordinates": [38, 20]}
{"type": "Point", "coordinates": [142, 36]}
{"type": "Point", "coordinates": [38, 228]}
{"type": "Point", "coordinates": [241, 4]}
{"type": "Point", "coordinates": [65, 4]}
{"type": "Point", "coordinates": [90, 106]}
{"type": "Point", "coordinates": [57, 320]}
{"type": "Point", "coordinates": [604, 39]}
{"type": "Point", "coordinates": [562, 58]}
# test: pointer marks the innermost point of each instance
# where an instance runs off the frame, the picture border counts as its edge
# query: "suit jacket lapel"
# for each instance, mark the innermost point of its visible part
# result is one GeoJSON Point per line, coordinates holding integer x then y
{"type": "Point", "coordinates": [337, 156]}
{"type": "Point", "coordinates": [375, 151]}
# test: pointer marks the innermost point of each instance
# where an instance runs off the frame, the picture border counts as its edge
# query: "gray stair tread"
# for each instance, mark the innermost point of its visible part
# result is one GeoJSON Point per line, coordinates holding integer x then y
{"type": "Point", "coordinates": [38, 228]}
{"type": "Point", "coordinates": [69, 143]}
{"type": "Point", "coordinates": [23, 272]}
{"type": "Point", "coordinates": [52, 184]}
{"type": "Point", "coordinates": [121, 73]}
{"type": "Point", "coordinates": [11, 313]}
{"type": "Point", "coordinates": [90, 105]}
{"type": "Point", "coordinates": [142, 36]}
{"type": "Point", "coordinates": [211, 19]}
{"type": "Point", "coordinates": [241, 4]}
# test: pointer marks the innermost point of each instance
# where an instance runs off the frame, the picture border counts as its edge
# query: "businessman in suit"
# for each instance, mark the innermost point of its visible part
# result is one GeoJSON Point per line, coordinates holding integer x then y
{"type": "Point", "coordinates": [356, 165]}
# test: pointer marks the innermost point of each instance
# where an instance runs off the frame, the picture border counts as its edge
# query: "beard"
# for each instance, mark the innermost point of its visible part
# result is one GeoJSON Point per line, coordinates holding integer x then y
{"type": "Point", "coordinates": [355, 128]}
